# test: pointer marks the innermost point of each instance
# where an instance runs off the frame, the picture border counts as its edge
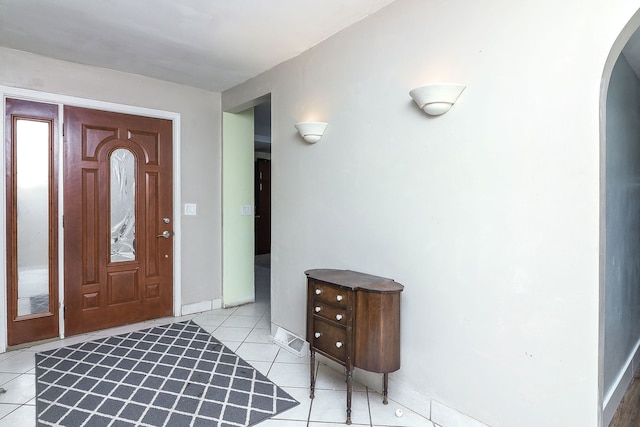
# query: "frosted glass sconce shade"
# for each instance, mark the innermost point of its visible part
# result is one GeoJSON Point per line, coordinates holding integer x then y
{"type": "Point", "coordinates": [437, 99]}
{"type": "Point", "coordinates": [311, 131]}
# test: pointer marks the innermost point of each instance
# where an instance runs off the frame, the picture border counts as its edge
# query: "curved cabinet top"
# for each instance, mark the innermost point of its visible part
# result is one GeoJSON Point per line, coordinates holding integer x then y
{"type": "Point", "coordinates": [355, 280]}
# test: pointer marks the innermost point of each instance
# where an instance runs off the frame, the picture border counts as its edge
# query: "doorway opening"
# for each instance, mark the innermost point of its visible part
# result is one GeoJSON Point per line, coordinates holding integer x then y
{"type": "Point", "coordinates": [118, 181]}
{"type": "Point", "coordinates": [620, 250]}
{"type": "Point", "coordinates": [33, 307]}
{"type": "Point", "coordinates": [262, 201]}
{"type": "Point", "coordinates": [245, 251]}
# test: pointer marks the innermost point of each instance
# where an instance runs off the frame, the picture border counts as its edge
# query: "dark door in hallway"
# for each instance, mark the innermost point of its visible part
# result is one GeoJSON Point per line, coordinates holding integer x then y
{"type": "Point", "coordinates": [31, 162]}
{"type": "Point", "coordinates": [118, 237]}
{"type": "Point", "coordinates": [263, 206]}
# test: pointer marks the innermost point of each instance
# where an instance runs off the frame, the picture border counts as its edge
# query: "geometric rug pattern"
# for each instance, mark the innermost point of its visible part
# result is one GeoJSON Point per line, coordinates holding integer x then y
{"type": "Point", "coordinates": [172, 375]}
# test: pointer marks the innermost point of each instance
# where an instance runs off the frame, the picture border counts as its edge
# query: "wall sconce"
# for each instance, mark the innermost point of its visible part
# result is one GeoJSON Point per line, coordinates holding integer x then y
{"type": "Point", "coordinates": [311, 131]}
{"type": "Point", "coordinates": [438, 98]}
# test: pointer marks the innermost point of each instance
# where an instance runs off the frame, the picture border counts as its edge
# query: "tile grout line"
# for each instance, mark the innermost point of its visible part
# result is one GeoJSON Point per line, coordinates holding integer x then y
{"type": "Point", "coordinates": [317, 370]}
{"type": "Point", "coordinates": [272, 363]}
{"type": "Point", "coordinates": [369, 407]}
{"type": "Point", "coordinates": [245, 340]}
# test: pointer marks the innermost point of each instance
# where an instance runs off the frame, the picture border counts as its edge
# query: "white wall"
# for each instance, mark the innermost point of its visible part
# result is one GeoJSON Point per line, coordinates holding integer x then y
{"type": "Point", "coordinates": [489, 215]}
{"type": "Point", "coordinates": [622, 268]}
{"type": "Point", "coordinates": [200, 147]}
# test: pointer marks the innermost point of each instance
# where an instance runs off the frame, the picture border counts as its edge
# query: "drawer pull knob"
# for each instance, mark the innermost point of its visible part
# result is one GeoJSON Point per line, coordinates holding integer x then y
{"type": "Point", "coordinates": [338, 317]}
{"type": "Point", "coordinates": [317, 335]}
{"type": "Point", "coordinates": [318, 291]}
{"type": "Point", "coordinates": [338, 344]}
{"type": "Point", "coordinates": [318, 309]}
{"type": "Point", "coordinates": [339, 297]}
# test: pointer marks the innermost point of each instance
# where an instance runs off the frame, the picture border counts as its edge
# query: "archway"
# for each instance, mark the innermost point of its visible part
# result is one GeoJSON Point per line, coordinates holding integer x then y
{"type": "Point", "coordinates": [619, 346]}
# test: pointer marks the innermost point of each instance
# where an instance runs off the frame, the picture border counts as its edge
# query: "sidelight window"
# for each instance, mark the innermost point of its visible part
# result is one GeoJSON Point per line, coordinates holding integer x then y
{"type": "Point", "coordinates": [32, 165]}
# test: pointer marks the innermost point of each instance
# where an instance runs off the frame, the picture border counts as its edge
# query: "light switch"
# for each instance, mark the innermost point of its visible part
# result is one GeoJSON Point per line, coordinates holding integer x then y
{"type": "Point", "coordinates": [246, 210]}
{"type": "Point", "coordinates": [190, 209]}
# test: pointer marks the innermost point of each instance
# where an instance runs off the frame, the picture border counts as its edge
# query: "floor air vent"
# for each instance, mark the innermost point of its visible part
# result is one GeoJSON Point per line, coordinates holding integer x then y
{"type": "Point", "coordinates": [291, 342]}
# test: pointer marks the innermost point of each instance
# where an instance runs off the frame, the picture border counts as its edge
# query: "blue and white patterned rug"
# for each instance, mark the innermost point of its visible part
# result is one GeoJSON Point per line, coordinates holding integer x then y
{"type": "Point", "coordinates": [171, 375]}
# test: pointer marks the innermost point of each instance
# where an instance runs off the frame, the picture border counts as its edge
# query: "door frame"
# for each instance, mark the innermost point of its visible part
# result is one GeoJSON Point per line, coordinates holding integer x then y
{"type": "Point", "coordinates": [61, 100]}
{"type": "Point", "coordinates": [231, 256]}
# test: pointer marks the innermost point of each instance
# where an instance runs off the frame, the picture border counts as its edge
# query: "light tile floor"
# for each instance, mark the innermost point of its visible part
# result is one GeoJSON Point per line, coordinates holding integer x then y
{"type": "Point", "coordinates": [245, 330]}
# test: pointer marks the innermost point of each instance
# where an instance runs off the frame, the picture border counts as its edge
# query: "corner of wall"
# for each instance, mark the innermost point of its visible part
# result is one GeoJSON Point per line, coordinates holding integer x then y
{"type": "Point", "coordinates": [449, 417]}
{"type": "Point", "coordinates": [409, 398]}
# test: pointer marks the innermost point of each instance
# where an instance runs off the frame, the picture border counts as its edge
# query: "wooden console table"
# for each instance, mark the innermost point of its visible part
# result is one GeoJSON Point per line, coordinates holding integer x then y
{"type": "Point", "coordinates": [354, 319]}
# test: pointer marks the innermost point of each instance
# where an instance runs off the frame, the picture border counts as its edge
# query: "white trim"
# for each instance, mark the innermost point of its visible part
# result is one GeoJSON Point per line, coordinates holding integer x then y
{"type": "Point", "coordinates": [3, 235]}
{"type": "Point", "coordinates": [197, 307]}
{"type": "Point", "coordinates": [400, 393]}
{"type": "Point", "coordinates": [616, 392]}
{"type": "Point", "coordinates": [449, 417]}
{"type": "Point", "coordinates": [60, 223]}
{"type": "Point", "coordinates": [52, 98]}
{"type": "Point", "coordinates": [177, 218]}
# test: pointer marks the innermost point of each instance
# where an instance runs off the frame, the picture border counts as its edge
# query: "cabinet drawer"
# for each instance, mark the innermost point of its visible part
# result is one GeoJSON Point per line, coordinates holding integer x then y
{"type": "Point", "coordinates": [330, 294]}
{"type": "Point", "coordinates": [330, 339]}
{"type": "Point", "coordinates": [329, 312]}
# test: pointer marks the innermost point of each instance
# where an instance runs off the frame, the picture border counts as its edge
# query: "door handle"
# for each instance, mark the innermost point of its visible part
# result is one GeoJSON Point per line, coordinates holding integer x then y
{"type": "Point", "coordinates": [166, 234]}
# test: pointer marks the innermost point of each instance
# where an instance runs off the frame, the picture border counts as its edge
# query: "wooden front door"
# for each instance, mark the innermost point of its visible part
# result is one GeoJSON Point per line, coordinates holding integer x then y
{"type": "Point", "coordinates": [118, 238]}
{"type": "Point", "coordinates": [31, 162]}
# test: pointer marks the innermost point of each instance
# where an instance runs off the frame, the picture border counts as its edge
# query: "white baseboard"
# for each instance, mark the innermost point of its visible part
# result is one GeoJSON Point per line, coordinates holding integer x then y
{"type": "Point", "coordinates": [414, 400]}
{"type": "Point", "coordinates": [241, 301]}
{"type": "Point", "coordinates": [614, 395]}
{"type": "Point", "coordinates": [399, 392]}
{"type": "Point", "coordinates": [197, 307]}
{"type": "Point", "coordinates": [449, 417]}
{"type": "Point", "coordinates": [418, 402]}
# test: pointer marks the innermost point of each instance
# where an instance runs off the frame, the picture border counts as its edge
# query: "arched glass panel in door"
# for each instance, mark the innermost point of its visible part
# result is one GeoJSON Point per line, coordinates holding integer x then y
{"type": "Point", "coordinates": [123, 205]}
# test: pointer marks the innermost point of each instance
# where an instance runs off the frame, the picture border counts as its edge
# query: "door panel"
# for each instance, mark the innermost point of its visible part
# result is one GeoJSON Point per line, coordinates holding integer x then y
{"type": "Point", "coordinates": [31, 158]}
{"type": "Point", "coordinates": [263, 206]}
{"type": "Point", "coordinates": [118, 202]}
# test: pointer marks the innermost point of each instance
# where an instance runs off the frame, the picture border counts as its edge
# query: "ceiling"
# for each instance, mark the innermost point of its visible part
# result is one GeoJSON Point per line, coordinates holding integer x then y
{"type": "Point", "coordinates": [209, 44]}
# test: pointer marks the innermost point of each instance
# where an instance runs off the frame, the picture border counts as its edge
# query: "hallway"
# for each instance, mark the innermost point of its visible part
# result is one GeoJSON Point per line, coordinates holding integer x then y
{"type": "Point", "coordinates": [246, 331]}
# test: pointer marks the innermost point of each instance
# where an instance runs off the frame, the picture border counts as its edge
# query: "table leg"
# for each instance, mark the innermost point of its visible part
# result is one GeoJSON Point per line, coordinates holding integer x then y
{"type": "Point", "coordinates": [385, 388]}
{"type": "Point", "coordinates": [312, 368]}
{"type": "Point", "coordinates": [349, 390]}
